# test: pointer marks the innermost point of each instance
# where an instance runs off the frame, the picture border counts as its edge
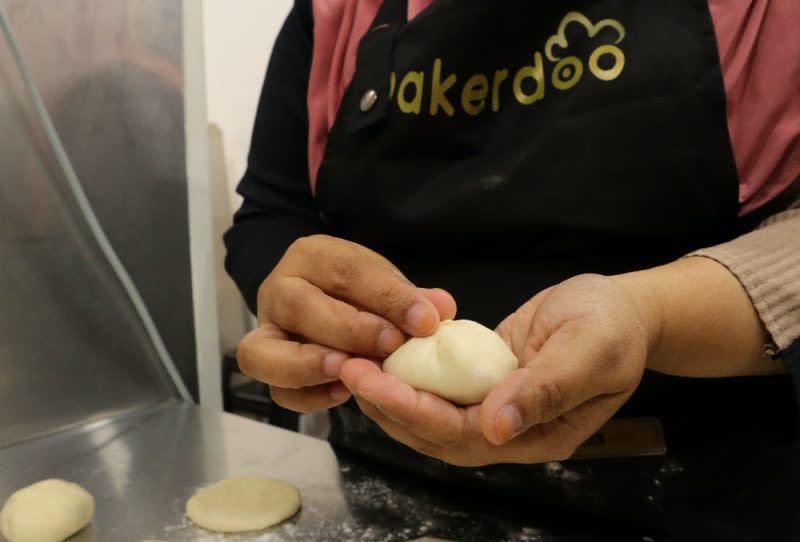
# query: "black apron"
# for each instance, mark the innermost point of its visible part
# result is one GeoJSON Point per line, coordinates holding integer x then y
{"type": "Point", "coordinates": [496, 148]}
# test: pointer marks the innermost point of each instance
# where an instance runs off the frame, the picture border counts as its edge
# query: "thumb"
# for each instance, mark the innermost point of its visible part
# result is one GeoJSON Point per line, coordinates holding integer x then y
{"type": "Point", "coordinates": [561, 376]}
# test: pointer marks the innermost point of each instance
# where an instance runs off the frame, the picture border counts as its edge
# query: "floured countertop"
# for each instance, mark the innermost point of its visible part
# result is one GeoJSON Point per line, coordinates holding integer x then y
{"type": "Point", "coordinates": [142, 467]}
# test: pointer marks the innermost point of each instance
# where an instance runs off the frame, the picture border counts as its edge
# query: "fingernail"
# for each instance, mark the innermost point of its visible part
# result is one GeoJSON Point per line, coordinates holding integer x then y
{"type": "Point", "coordinates": [389, 340]}
{"type": "Point", "coordinates": [339, 393]}
{"type": "Point", "coordinates": [332, 363]}
{"type": "Point", "coordinates": [509, 423]}
{"type": "Point", "coordinates": [420, 318]}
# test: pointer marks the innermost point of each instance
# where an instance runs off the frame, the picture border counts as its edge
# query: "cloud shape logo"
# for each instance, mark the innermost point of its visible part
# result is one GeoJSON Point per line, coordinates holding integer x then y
{"type": "Point", "coordinates": [560, 38]}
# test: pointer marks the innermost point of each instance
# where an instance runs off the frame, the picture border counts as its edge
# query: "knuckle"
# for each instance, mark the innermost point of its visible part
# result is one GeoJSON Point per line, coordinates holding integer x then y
{"type": "Point", "coordinates": [309, 248]}
{"type": "Point", "coordinates": [345, 271]}
{"type": "Point", "coordinates": [549, 399]}
{"type": "Point", "coordinates": [245, 353]}
{"type": "Point", "coordinates": [606, 338]}
{"type": "Point", "coordinates": [289, 304]}
{"type": "Point", "coordinates": [393, 296]}
{"type": "Point", "coordinates": [453, 438]}
{"type": "Point", "coordinates": [275, 366]}
{"type": "Point", "coordinates": [613, 364]}
{"type": "Point", "coordinates": [305, 356]}
{"type": "Point", "coordinates": [302, 245]}
{"type": "Point", "coordinates": [359, 332]}
{"type": "Point", "coordinates": [263, 294]}
{"type": "Point", "coordinates": [290, 373]}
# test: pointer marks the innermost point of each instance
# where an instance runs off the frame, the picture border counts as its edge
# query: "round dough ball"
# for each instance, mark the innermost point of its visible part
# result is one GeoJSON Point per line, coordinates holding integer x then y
{"type": "Point", "coordinates": [243, 504]}
{"type": "Point", "coordinates": [47, 511]}
{"type": "Point", "coordinates": [461, 362]}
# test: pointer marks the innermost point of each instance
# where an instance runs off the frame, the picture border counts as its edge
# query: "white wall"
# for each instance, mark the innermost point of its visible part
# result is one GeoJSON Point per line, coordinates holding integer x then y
{"type": "Point", "coordinates": [238, 39]}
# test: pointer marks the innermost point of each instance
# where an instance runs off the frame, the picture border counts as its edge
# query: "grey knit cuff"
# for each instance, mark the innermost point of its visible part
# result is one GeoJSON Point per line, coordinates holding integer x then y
{"type": "Point", "coordinates": [767, 263]}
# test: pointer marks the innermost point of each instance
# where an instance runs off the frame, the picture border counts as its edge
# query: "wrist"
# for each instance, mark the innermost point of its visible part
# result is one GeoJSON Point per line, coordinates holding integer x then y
{"type": "Point", "coordinates": [649, 307]}
{"type": "Point", "coordinates": [699, 320]}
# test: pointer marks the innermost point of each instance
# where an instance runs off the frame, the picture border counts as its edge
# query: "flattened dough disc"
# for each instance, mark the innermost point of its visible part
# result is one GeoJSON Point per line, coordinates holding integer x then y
{"type": "Point", "coordinates": [243, 504]}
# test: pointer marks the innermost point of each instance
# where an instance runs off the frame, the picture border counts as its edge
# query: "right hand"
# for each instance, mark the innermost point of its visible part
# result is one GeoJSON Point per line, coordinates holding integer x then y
{"type": "Point", "coordinates": [326, 301]}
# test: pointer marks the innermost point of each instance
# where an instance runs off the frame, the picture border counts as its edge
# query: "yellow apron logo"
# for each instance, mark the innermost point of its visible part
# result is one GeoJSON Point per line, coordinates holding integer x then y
{"type": "Point", "coordinates": [528, 83]}
{"type": "Point", "coordinates": [568, 71]}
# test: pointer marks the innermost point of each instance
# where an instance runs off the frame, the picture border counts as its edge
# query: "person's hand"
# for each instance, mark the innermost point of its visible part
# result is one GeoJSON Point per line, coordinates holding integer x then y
{"type": "Point", "coordinates": [326, 300]}
{"type": "Point", "coordinates": [582, 347]}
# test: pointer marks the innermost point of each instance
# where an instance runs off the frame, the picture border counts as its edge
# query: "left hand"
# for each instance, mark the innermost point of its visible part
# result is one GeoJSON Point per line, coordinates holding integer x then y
{"type": "Point", "coordinates": [582, 347]}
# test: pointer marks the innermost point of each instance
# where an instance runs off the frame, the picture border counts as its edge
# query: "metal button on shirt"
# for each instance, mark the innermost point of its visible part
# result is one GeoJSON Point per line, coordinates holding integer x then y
{"type": "Point", "coordinates": [368, 100]}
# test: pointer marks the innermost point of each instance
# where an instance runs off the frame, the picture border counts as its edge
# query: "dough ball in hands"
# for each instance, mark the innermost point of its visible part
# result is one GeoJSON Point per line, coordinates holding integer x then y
{"type": "Point", "coordinates": [47, 511]}
{"type": "Point", "coordinates": [461, 362]}
{"type": "Point", "coordinates": [243, 504]}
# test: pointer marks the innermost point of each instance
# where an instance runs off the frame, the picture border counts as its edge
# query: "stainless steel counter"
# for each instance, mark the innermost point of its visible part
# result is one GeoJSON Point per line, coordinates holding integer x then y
{"type": "Point", "coordinates": [141, 469]}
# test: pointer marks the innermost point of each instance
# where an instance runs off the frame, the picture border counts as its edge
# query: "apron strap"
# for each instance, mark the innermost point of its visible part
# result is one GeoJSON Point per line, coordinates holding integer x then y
{"type": "Point", "coordinates": [366, 100]}
{"type": "Point", "coordinates": [391, 12]}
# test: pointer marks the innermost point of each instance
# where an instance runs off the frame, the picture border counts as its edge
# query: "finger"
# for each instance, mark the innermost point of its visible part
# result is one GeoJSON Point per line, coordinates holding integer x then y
{"type": "Point", "coordinates": [396, 431]}
{"type": "Point", "coordinates": [429, 417]}
{"type": "Point", "coordinates": [345, 271]}
{"type": "Point", "coordinates": [514, 329]}
{"type": "Point", "coordinates": [440, 298]}
{"type": "Point", "coordinates": [553, 441]}
{"type": "Point", "coordinates": [303, 309]}
{"type": "Point", "coordinates": [443, 302]}
{"type": "Point", "coordinates": [558, 439]}
{"type": "Point", "coordinates": [284, 363]}
{"type": "Point", "coordinates": [311, 399]}
{"type": "Point", "coordinates": [569, 370]}
{"type": "Point", "coordinates": [476, 453]}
